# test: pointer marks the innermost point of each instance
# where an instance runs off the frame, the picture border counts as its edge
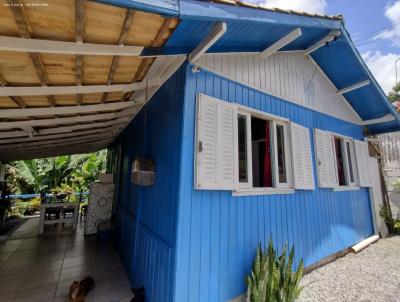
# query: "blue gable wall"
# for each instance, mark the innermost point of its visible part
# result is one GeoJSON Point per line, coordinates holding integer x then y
{"type": "Point", "coordinates": [184, 244]}
{"type": "Point", "coordinates": [146, 216]}
{"type": "Point", "coordinates": [218, 233]}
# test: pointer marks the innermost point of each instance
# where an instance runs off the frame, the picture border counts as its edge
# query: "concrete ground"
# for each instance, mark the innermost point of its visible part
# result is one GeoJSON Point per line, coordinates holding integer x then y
{"type": "Point", "coordinates": [371, 275]}
{"type": "Point", "coordinates": [42, 268]}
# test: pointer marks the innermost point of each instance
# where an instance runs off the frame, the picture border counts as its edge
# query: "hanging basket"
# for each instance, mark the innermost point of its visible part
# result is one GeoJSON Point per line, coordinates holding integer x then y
{"type": "Point", "coordinates": [143, 172]}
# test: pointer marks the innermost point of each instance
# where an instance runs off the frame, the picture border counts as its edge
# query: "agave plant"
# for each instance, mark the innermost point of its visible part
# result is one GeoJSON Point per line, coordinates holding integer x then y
{"type": "Point", "coordinates": [272, 278]}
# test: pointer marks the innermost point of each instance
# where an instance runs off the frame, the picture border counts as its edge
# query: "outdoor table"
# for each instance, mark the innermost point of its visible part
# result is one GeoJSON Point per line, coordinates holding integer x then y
{"type": "Point", "coordinates": [63, 206]}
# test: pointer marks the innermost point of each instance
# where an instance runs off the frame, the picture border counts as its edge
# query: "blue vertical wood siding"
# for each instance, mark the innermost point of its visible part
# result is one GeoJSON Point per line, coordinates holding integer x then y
{"type": "Point", "coordinates": [146, 216]}
{"type": "Point", "coordinates": [218, 233]}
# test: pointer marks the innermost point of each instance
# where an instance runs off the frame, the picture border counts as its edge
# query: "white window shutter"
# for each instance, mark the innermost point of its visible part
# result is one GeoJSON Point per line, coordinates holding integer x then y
{"type": "Point", "coordinates": [325, 159]}
{"type": "Point", "coordinates": [301, 157]}
{"type": "Point", "coordinates": [362, 159]}
{"type": "Point", "coordinates": [215, 144]}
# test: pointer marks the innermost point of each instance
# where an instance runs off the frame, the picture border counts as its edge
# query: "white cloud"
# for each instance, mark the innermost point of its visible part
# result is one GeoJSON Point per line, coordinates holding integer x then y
{"type": "Point", "coordinates": [310, 6]}
{"type": "Point", "coordinates": [382, 67]}
{"type": "Point", "coordinates": [392, 12]}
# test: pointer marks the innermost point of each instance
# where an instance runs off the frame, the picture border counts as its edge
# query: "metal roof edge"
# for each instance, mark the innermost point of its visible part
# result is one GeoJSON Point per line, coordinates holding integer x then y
{"type": "Point", "coordinates": [162, 7]}
{"type": "Point", "coordinates": [211, 11]}
{"type": "Point", "coordinates": [369, 73]}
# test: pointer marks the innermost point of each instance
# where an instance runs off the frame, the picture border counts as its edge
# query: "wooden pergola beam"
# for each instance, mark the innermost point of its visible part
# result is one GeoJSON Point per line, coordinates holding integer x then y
{"type": "Point", "coordinates": [51, 152]}
{"type": "Point", "coordinates": [70, 48]}
{"type": "Point", "coordinates": [121, 41]}
{"type": "Point", "coordinates": [16, 99]}
{"type": "Point", "coordinates": [66, 120]}
{"type": "Point", "coordinates": [120, 121]}
{"type": "Point", "coordinates": [79, 26]}
{"type": "Point", "coordinates": [12, 134]}
{"type": "Point", "coordinates": [25, 33]}
{"type": "Point", "coordinates": [61, 90]}
{"type": "Point", "coordinates": [31, 112]}
{"type": "Point", "coordinates": [60, 136]}
{"type": "Point", "coordinates": [50, 142]}
{"type": "Point", "coordinates": [54, 150]}
{"type": "Point", "coordinates": [61, 144]}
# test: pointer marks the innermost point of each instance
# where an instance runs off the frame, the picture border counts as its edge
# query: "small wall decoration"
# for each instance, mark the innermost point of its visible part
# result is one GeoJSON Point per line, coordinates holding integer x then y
{"type": "Point", "coordinates": [99, 206]}
{"type": "Point", "coordinates": [143, 172]}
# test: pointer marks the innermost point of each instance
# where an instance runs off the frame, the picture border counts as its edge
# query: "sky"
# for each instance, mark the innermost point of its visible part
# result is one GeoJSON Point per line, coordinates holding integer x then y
{"type": "Point", "coordinates": [374, 26]}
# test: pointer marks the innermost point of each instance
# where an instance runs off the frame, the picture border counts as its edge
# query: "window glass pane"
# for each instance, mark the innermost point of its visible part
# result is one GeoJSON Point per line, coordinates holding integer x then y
{"type": "Point", "coordinates": [351, 174]}
{"type": "Point", "coordinates": [261, 152]}
{"type": "Point", "coordinates": [339, 162]}
{"type": "Point", "coordinates": [242, 145]}
{"type": "Point", "coordinates": [280, 141]}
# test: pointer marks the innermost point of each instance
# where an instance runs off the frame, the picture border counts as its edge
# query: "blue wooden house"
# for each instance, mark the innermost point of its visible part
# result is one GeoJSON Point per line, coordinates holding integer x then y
{"type": "Point", "coordinates": [258, 131]}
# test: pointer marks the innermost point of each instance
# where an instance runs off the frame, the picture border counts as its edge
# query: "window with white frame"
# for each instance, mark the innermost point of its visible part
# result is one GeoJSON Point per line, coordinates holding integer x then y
{"type": "Point", "coordinates": [263, 152]}
{"type": "Point", "coordinates": [242, 149]}
{"type": "Point", "coordinates": [341, 161]}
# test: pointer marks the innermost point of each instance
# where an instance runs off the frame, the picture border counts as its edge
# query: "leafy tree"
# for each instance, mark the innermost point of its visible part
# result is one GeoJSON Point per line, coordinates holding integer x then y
{"type": "Point", "coordinates": [89, 171]}
{"type": "Point", "coordinates": [58, 173]}
{"type": "Point", "coordinates": [394, 95]}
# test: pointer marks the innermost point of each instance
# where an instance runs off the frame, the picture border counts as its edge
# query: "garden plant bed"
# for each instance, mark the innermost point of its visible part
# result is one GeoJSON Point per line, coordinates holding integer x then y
{"type": "Point", "coordinates": [371, 275]}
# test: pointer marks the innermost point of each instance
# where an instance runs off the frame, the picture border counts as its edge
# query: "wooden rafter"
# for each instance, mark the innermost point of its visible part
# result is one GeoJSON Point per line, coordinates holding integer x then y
{"type": "Point", "coordinates": [9, 113]}
{"type": "Point", "coordinates": [119, 121]}
{"type": "Point", "coordinates": [54, 147]}
{"type": "Point", "coordinates": [60, 136]}
{"type": "Point", "coordinates": [54, 151]}
{"type": "Point", "coordinates": [79, 26]}
{"type": "Point", "coordinates": [25, 32]}
{"type": "Point", "coordinates": [70, 48]}
{"type": "Point", "coordinates": [121, 41]}
{"type": "Point", "coordinates": [147, 61]}
{"type": "Point", "coordinates": [49, 142]}
{"type": "Point", "coordinates": [66, 120]}
{"type": "Point", "coordinates": [57, 90]}
{"type": "Point", "coordinates": [16, 99]}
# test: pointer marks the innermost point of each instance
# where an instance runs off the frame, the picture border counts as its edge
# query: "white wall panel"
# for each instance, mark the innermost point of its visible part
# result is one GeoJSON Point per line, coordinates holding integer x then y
{"type": "Point", "coordinates": [291, 76]}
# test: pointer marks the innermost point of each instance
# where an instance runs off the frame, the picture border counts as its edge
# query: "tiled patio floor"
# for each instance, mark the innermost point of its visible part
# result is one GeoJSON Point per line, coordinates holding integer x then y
{"type": "Point", "coordinates": [43, 268]}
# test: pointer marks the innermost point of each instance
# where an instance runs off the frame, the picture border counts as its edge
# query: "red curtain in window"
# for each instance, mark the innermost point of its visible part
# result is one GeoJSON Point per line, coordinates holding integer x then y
{"type": "Point", "coordinates": [267, 181]}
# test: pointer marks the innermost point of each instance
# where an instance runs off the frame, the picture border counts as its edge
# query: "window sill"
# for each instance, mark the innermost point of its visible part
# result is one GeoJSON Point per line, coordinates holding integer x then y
{"type": "Point", "coordinates": [346, 189]}
{"type": "Point", "coordinates": [261, 191]}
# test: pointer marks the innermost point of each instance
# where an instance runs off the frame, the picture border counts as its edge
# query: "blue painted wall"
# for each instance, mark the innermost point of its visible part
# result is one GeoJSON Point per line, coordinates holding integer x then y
{"type": "Point", "coordinates": [146, 216]}
{"type": "Point", "coordinates": [184, 244]}
{"type": "Point", "coordinates": [218, 233]}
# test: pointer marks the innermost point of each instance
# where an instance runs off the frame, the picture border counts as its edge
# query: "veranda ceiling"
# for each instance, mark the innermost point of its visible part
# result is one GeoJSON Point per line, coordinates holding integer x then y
{"type": "Point", "coordinates": [60, 98]}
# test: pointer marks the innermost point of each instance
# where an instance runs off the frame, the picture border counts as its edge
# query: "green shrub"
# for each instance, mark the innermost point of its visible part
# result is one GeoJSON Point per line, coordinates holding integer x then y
{"type": "Point", "coordinates": [272, 278]}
